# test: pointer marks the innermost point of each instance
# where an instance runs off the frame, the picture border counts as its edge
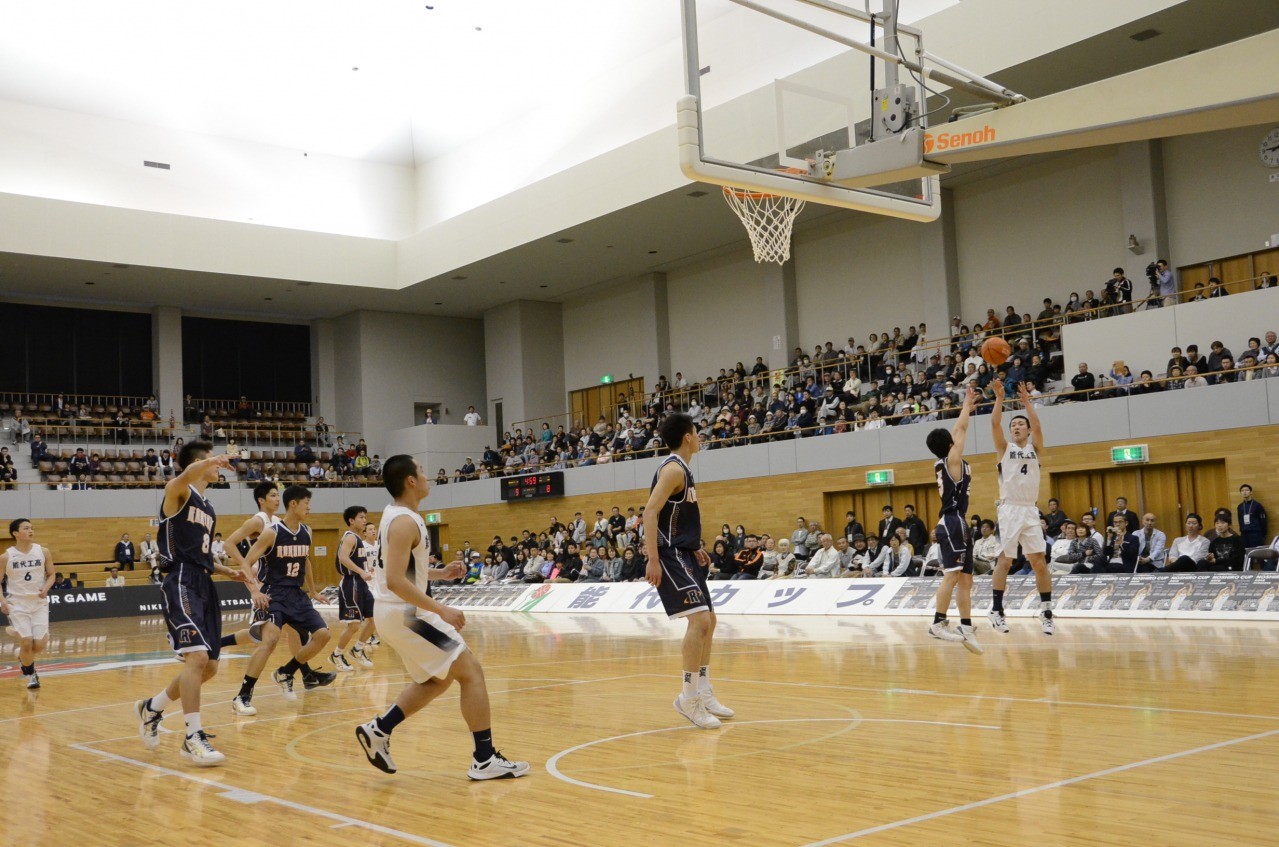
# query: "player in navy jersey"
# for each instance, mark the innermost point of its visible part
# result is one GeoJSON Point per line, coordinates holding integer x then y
{"type": "Point", "coordinates": [355, 598]}
{"type": "Point", "coordinates": [191, 608]}
{"type": "Point", "coordinates": [267, 496]}
{"type": "Point", "coordinates": [954, 538]}
{"type": "Point", "coordinates": [677, 567]}
{"type": "Point", "coordinates": [286, 591]}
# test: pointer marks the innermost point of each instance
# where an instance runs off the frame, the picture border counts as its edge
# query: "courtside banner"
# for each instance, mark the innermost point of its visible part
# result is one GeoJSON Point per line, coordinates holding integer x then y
{"type": "Point", "coordinates": [1190, 596]}
{"type": "Point", "coordinates": [130, 601]}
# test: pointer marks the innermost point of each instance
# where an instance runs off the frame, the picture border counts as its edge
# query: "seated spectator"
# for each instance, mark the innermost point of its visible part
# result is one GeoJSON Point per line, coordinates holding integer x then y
{"type": "Point", "coordinates": [1154, 546]}
{"type": "Point", "coordinates": [315, 473]}
{"type": "Point", "coordinates": [21, 429]}
{"type": "Point", "coordinates": [206, 429]}
{"type": "Point", "coordinates": [1189, 552]}
{"type": "Point", "coordinates": [218, 550]}
{"type": "Point", "coordinates": [1193, 380]}
{"type": "Point", "coordinates": [442, 478]}
{"type": "Point", "coordinates": [1216, 288]}
{"type": "Point", "coordinates": [1226, 551]}
{"type": "Point", "coordinates": [1062, 556]}
{"type": "Point", "coordinates": [1121, 375]}
{"type": "Point", "coordinates": [468, 468]}
{"type": "Point", "coordinates": [150, 552]}
{"type": "Point", "coordinates": [121, 427]}
{"type": "Point", "coordinates": [124, 553]}
{"type": "Point", "coordinates": [115, 580]}
{"type": "Point", "coordinates": [8, 477]}
{"type": "Point", "coordinates": [786, 561]}
{"type": "Point", "coordinates": [1226, 373]}
{"type": "Point", "coordinates": [363, 463]}
{"type": "Point", "coordinates": [824, 563]}
{"type": "Point", "coordinates": [722, 565]}
{"type": "Point", "coordinates": [1122, 547]}
{"type": "Point", "coordinates": [900, 557]}
{"type": "Point", "coordinates": [303, 452]}
{"type": "Point", "coordinates": [1083, 382]}
{"type": "Point", "coordinates": [568, 565]}
{"type": "Point", "coordinates": [749, 559]}
{"type": "Point", "coordinates": [60, 582]}
{"type": "Point", "coordinates": [322, 432]}
{"type": "Point", "coordinates": [1270, 369]}
{"type": "Point", "coordinates": [496, 570]}
{"type": "Point", "coordinates": [1145, 384]}
{"type": "Point", "coordinates": [39, 449]}
{"type": "Point", "coordinates": [254, 473]}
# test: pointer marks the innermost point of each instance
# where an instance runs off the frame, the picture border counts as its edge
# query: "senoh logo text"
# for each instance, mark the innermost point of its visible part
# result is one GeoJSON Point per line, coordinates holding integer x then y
{"type": "Point", "coordinates": [936, 142]}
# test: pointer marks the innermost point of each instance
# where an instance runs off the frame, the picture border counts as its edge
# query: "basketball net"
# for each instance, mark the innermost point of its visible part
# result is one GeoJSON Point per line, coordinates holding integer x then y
{"type": "Point", "coordinates": [768, 220]}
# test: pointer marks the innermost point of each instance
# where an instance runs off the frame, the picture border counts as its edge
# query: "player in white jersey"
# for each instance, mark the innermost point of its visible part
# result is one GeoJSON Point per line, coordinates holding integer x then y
{"type": "Point", "coordinates": [423, 631]}
{"type": "Point", "coordinates": [28, 574]}
{"type": "Point", "coordinates": [1018, 511]}
{"type": "Point", "coordinates": [370, 538]}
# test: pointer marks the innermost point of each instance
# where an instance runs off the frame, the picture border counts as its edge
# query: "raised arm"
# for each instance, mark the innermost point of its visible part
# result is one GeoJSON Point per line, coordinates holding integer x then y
{"type": "Point", "coordinates": [959, 433]}
{"type": "Point", "coordinates": [176, 489]}
{"type": "Point", "coordinates": [997, 416]}
{"type": "Point", "coordinates": [668, 482]}
{"type": "Point", "coordinates": [1036, 433]}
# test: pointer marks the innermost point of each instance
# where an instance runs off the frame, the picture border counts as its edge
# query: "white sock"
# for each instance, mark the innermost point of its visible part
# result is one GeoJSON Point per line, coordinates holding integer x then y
{"type": "Point", "coordinates": [1046, 605]}
{"type": "Point", "coordinates": [193, 723]}
{"type": "Point", "coordinates": [161, 701]}
{"type": "Point", "coordinates": [690, 686]}
{"type": "Point", "coordinates": [359, 645]}
{"type": "Point", "coordinates": [704, 678]}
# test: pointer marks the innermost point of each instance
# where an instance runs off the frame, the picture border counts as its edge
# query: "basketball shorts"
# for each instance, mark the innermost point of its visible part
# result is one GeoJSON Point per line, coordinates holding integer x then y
{"type": "Point", "coordinates": [956, 544]}
{"type": "Point", "coordinates": [426, 644]}
{"type": "Point", "coordinates": [355, 600]}
{"type": "Point", "coordinates": [683, 586]}
{"type": "Point", "coordinates": [192, 611]}
{"type": "Point", "coordinates": [1019, 527]}
{"type": "Point", "coordinates": [290, 605]}
{"type": "Point", "coordinates": [29, 615]}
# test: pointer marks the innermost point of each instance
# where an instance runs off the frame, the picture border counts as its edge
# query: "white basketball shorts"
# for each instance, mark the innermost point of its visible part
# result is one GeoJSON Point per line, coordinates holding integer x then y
{"type": "Point", "coordinates": [29, 616]}
{"type": "Point", "coordinates": [1019, 527]}
{"type": "Point", "coordinates": [427, 645]}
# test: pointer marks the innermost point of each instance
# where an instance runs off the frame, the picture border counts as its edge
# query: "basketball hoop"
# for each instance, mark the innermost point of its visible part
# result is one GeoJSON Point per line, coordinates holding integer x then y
{"type": "Point", "coordinates": [768, 219]}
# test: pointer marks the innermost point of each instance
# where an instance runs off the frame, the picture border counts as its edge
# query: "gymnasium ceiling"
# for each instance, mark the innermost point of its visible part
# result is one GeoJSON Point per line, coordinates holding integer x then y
{"type": "Point", "coordinates": [661, 234]}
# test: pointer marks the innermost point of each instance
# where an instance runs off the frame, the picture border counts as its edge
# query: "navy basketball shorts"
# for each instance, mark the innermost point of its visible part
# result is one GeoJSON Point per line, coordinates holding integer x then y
{"type": "Point", "coordinates": [683, 586]}
{"type": "Point", "coordinates": [956, 543]}
{"type": "Point", "coordinates": [290, 605]}
{"type": "Point", "coordinates": [355, 600]}
{"type": "Point", "coordinates": [191, 610]}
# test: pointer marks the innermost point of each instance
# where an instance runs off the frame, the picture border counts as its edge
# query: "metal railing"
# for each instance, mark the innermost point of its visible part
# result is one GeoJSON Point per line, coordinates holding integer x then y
{"type": "Point", "coordinates": [1035, 331]}
{"type": "Point", "coordinates": [266, 408]}
{"type": "Point", "coordinates": [985, 405]}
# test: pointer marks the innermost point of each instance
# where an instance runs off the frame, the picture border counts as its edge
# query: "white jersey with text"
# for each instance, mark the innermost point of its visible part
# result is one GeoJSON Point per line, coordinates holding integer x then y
{"type": "Point", "coordinates": [419, 558]}
{"type": "Point", "coordinates": [25, 572]}
{"type": "Point", "coordinates": [1019, 475]}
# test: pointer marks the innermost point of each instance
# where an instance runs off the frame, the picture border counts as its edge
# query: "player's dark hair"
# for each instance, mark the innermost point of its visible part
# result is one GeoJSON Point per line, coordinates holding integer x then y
{"type": "Point", "coordinates": [1068, 522]}
{"type": "Point", "coordinates": [673, 428]}
{"type": "Point", "coordinates": [1023, 417]}
{"type": "Point", "coordinates": [939, 442]}
{"type": "Point", "coordinates": [350, 513]}
{"type": "Point", "coordinates": [193, 452]}
{"type": "Point", "coordinates": [396, 472]}
{"type": "Point", "coordinates": [1197, 518]}
{"type": "Point", "coordinates": [16, 524]}
{"type": "Point", "coordinates": [294, 493]}
{"type": "Point", "coordinates": [263, 490]}
{"type": "Point", "coordinates": [986, 522]}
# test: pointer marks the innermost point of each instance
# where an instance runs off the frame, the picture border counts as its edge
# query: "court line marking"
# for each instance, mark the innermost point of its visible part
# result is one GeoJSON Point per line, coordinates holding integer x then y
{"type": "Point", "coordinates": [242, 795]}
{"type": "Point", "coordinates": [552, 766]}
{"type": "Point", "coordinates": [250, 722]}
{"type": "Point", "coordinates": [1026, 792]}
{"type": "Point", "coordinates": [1039, 700]}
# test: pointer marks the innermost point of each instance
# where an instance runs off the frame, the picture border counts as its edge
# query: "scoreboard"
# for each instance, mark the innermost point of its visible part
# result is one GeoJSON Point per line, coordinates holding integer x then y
{"type": "Point", "coordinates": [533, 486]}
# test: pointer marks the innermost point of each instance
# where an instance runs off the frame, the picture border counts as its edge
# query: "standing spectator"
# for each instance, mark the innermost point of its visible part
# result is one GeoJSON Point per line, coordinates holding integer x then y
{"type": "Point", "coordinates": [1122, 286]}
{"type": "Point", "coordinates": [121, 427]}
{"type": "Point", "coordinates": [888, 527]}
{"type": "Point", "coordinates": [150, 552]}
{"type": "Point", "coordinates": [799, 540]}
{"type": "Point", "coordinates": [190, 411]}
{"type": "Point", "coordinates": [1252, 519]}
{"type": "Point", "coordinates": [916, 532]}
{"type": "Point", "coordinates": [1153, 554]}
{"type": "Point", "coordinates": [1167, 284]}
{"type": "Point", "coordinates": [1121, 507]}
{"type": "Point", "coordinates": [124, 553]}
{"type": "Point", "coordinates": [472, 417]}
{"type": "Point", "coordinates": [1056, 519]}
{"type": "Point", "coordinates": [852, 528]}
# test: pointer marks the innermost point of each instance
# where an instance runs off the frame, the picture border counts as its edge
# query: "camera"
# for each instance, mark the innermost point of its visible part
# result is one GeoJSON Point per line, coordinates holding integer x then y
{"type": "Point", "coordinates": [1152, 272]}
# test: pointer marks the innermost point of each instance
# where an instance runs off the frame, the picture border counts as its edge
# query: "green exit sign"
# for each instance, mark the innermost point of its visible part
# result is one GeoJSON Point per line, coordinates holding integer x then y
{"type": "Point", "coordinates": [432, 517]}
{"type": "Point", "coordinates": [606, 379]}
{"type": "Point", "coordinates": [1130, 454]}
{"type": "Point", "coordinates": [879, 477]}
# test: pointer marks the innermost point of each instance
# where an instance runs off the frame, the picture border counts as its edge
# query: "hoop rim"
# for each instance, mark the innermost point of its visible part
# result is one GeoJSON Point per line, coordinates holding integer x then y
{"type": "Point", "coordinates": [755, 196]}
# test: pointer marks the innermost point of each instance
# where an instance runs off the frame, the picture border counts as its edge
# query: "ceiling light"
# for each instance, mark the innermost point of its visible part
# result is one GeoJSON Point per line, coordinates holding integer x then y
{"type": "Point", "coordinates": [1145, 35]}
{"type": "Point", "coordinates": [266, 298]}
{"type": "Point", "coordinates": [541, 286]}
{"type": "Point", "coordinates": [698, 193]}
{"type": "Point", "coordinates": [652, 252]}
{"type": "Point", "coordinates": [438, 303]}
{"type": "Point", "coordinates": [563, 241]}
{"type": "Point", "coordinates": [459, 277]}
{"type": "Point", "coordinates": [89, 283]}
{"type": "Point", "coordinates": [119, 266]}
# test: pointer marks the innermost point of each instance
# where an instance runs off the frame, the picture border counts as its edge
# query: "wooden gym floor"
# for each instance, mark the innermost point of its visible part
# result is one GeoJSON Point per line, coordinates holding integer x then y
{"type": "Point", "coordinates": [864, 732]}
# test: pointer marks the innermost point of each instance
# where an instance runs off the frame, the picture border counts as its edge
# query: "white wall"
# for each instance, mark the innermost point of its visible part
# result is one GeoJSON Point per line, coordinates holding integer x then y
{"type": "Point", "coordinates": [407, 359]}
{"type": "Point", "coordinates": [859, 278]}
{"type": "Point", "coordinates": [715, 315]}
{"type": "Point", "coordinates": [610, 329]}
{"type": "Point", "coordinates": [88, 159]}
{"type": "Point", "coordinates": [1046, 230]}
{"type": "Point", "coordinates": [1220, 200]}
{"type": "Point", "coordinates": [1143, 339]}
{"type": "Point", "coordinates": [504, 377]}
{"type": "Point", "coordinates": [440, 446]}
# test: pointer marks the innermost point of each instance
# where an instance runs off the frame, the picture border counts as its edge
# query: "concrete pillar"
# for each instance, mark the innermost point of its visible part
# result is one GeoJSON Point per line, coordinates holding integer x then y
{"type": "Point", "coordinates": [166, 359]}
{"type": "Point", "coordinates": [1141, 185]}
{"type": "Point", "coordinates": [779, 305]}
{"type": "Point", "coordinates": [524, 361]}
{"type": "Point", "coordinates": [323, 370]}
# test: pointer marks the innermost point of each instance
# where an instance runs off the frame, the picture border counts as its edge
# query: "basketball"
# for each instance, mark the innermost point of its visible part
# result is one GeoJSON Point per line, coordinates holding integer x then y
{"type": "Point", "coordinates": [995, 351]}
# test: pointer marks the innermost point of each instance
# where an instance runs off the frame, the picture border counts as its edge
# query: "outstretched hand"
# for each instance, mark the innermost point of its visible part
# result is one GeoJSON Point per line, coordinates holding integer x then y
{"type": "Point", "coordinates": [970, 397]}
{"type": "Point", "coordinates": [997, 386]}
{"type": "Point", "coordinates": [1023, 393]}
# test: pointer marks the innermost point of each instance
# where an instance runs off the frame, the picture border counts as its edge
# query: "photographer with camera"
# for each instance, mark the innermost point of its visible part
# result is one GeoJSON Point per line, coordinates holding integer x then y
{"type": "Point", "coordinates": [1163, 285]}
{"type": "Point", "coordinates": [1119, 291]}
